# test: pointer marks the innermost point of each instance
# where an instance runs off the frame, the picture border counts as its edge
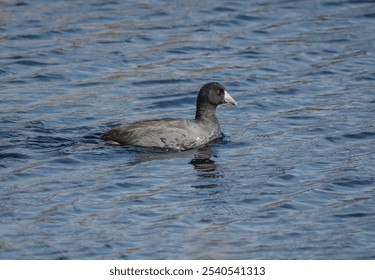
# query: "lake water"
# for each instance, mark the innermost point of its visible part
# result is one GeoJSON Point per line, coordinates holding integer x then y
{"type": "Point", "coordinates": [294, 177]}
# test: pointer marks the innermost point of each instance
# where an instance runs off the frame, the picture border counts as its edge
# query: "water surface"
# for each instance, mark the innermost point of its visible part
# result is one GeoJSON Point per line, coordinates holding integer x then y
{"type": "Point", "coordinates": [292, 179]}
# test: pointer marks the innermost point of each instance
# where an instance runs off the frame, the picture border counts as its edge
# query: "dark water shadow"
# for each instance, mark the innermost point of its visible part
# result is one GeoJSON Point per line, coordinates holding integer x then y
{"type": "Point", "coordinates": [206, 167]}
{"type": "Point", "coordinates": [202, 159]}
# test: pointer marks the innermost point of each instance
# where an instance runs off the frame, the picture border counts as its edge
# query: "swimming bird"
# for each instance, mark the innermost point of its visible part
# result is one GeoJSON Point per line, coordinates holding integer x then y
{"type": "Point", "coordinates": [176, 134]}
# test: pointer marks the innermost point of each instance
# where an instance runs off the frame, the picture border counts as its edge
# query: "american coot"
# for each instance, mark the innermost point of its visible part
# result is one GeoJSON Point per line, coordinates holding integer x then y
{"type": "Point", "coordinates": [177, 134]}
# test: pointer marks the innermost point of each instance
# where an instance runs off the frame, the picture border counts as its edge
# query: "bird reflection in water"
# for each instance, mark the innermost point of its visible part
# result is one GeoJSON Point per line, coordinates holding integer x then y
{"type": "Point", "coordinates": [206, 167]}
{"type": "Point", "coordinates": [202, 161]}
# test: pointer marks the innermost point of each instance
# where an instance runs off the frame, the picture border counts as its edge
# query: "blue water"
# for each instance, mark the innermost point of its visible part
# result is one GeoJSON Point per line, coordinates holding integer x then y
{"type": "Point", "coordinates": [294, 178]}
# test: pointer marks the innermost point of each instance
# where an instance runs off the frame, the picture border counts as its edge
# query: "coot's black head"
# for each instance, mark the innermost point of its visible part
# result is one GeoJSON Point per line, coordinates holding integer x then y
{"type": "Point", "coordinates": [214, 94]}
{"type": "Point", "coordinates": [211, 95]}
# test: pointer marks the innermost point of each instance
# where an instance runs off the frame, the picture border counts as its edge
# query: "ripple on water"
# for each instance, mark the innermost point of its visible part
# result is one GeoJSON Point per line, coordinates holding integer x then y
{"type": "Point", "coordinates": [292, 179]}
